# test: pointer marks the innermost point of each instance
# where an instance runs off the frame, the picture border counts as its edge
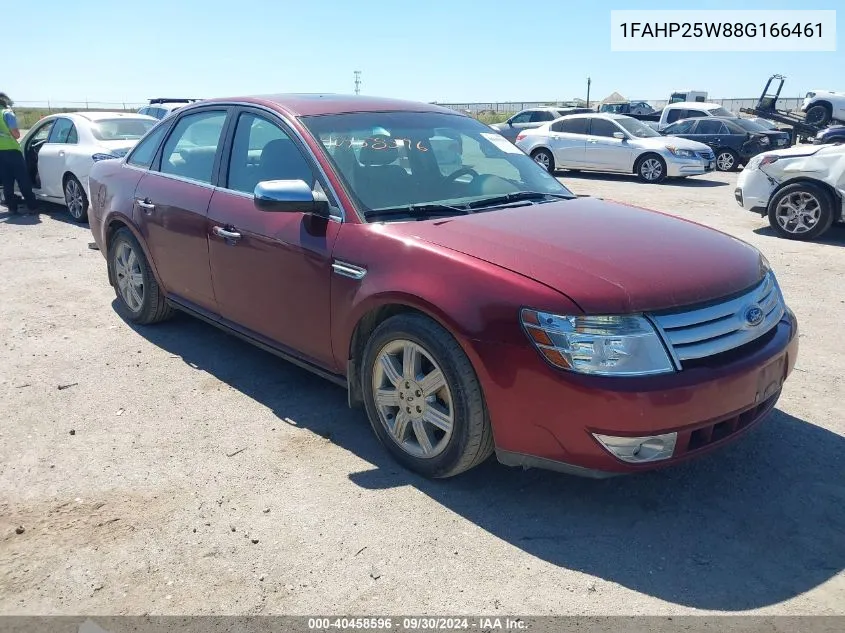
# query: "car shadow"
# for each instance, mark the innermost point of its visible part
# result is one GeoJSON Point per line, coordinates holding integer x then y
{"type": "Point", "coordinates": [834, 236]}
{"type": "Point", "coordinates": [749, 526]}
{"type": "Point", "coordinates": [692, 181]}
{"type": "Point", "coordinates": [54, 211]}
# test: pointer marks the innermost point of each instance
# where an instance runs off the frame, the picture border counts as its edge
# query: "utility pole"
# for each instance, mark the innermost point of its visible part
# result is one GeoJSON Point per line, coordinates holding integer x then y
{"type": "Point", "coordinates": [357, 82]}
{"type": "Point", "coordinates": [588, 92]}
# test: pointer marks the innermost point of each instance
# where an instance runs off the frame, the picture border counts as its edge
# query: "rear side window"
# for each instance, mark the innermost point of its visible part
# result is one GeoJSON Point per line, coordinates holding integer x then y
{"type": "Point", "coordinates": [571, 126]}
{"type": "Point", "coordinates": [61, 131]}
{"type": "Point", "coordinates": [522, 117]}
{"type": "Point", "coordinates": [541, 116]}
{"type": "Point", "coordinates": [190, 149]}
{"type": "Point", "coordinates": [145, 150]}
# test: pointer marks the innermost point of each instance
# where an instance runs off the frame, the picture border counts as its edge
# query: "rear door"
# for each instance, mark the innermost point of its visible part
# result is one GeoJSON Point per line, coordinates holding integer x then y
{"type": "Point", "coordinates": [568, 141]}
{"type": "Point", "coordinates": [272, 271]}
{"type": "Point", "coordinates": [52, 158]}
{"type": "Point", "coordinates": [171, 204]}
{"type": "Point", "coordinates": [604, 151]}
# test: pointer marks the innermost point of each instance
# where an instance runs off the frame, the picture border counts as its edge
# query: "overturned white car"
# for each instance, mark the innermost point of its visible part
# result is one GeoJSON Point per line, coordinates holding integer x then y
{"type": "Point", "coordinates": [801, 189]}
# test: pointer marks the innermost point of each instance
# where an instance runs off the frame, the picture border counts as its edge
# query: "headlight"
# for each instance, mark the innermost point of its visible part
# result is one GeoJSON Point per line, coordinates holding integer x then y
{"type": "Point", "coordinates": [764, 140]}
{"type": "Point", "coordinates": [681, 153]}
{"type": "Point", "coordinates": [599, 345]}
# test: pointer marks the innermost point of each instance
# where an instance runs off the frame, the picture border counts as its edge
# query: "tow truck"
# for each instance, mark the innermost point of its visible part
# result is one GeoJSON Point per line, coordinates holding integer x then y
{"type": "Point", "coordinates": [766, 108]}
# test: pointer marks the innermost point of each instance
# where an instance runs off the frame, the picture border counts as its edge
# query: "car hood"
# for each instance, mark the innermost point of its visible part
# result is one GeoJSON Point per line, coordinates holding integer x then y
{"type": "Point", "coordinates": [607, 257]}
{"type": "Point", "coordinates": [662, 142]}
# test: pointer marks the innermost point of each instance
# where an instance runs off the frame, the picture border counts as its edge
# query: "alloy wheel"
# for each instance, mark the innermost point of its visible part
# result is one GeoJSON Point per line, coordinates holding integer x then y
{"type": "Point", "coordinates": [542, 159]}
{"type": "Point", "coordinates": [798, 212]}
{"type": "Point", "coordinates": [74, 198]}
{"type": "Point", "coordinates": [651, 169]}
{"type": "Point", "coordinates": [130, 278]}
{"type": "Point", "coordinates": [413, 399]}
{"type": "Point", "coordinates": [725, 161]}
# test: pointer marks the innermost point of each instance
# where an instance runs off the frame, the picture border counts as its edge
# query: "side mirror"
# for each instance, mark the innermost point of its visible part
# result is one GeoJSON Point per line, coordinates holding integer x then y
{"type": "Point", "coordinates": [290, 196]}
{"type": "Point", "coordinates": [618, 135]}
{"type": "Point", "coordinates": [509, 122]}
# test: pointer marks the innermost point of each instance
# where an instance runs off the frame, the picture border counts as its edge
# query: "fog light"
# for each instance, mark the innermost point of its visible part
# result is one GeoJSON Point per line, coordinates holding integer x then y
{"type": "Point", "coordinates": [638, 450]}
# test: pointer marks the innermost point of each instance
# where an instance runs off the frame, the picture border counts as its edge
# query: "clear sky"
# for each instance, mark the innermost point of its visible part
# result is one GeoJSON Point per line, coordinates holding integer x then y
{"type": "Point", "coordinates": [429, 50]}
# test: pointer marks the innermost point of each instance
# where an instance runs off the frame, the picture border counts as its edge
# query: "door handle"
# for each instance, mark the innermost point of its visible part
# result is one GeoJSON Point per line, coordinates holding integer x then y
{"type": "Point", "coordinates": [61, 152]}
{"type": "Point", "coordinates": [226, 234]}
{"type": "Point", "coordinates": [147, 206]}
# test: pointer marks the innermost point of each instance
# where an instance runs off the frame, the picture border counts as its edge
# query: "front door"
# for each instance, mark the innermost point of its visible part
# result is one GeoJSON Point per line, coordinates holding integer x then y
{"type": "Point", "coordinates": [31, 147]}
{"type": "Point", "coordinates": [604, 151]}
{"type": "Point", "coordinates": [271, 271]}
{"type": "Point", "coordinates": [171, 205]}
{"type": "Point", "coordinates": [52, 159]}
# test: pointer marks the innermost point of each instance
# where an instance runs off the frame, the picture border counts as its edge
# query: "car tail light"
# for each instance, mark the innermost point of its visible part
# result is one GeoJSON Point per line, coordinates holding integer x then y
{"type": "Point", "coordinates": [520, 136]}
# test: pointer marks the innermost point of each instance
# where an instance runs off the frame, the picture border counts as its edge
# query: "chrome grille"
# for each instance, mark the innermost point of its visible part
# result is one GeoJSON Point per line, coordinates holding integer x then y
{"type": "Point", "coordinates": [722, 327]}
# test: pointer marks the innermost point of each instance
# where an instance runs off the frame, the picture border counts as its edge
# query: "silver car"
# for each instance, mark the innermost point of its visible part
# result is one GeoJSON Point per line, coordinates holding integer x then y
{"type": "Point", "coordinates": [532, 118]}
{"type": "Point", "coordinates": [614, 143]}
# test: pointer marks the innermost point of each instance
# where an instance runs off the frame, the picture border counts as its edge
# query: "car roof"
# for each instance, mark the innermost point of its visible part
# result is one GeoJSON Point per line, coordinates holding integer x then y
{"type": "Point", "coordinates": [98, 116]}
{"type": "Point", "coordinates": [701, 105]}
{"type": "Point", "coordinates": [320, 103]}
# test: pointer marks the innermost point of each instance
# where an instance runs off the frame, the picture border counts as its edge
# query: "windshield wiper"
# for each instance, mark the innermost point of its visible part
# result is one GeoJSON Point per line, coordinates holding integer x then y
{"type": "Point", "coordinates": [516, 197]}
{"type": "Point", "coordinates": [418, 211]}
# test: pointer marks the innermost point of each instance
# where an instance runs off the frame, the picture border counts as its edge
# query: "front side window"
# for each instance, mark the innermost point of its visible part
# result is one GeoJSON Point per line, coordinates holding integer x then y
{"type": "Point", "coordinates": [603, 127]}
{"type": "Point", "coordinates": [264, 151]}
{"type": "Point", "coordinates": [145, 150]}
{"type": "Point", "coordinates": [541, 116]}
{"type": "Point", "coordinates": [61, 131]}
{"type": "Point", "coordinates": [123, 129]}
{"type": "Point", "coordinates": [190, 149]}
{"type": "Point", "coordinates": [637, 128]}
{"type": "Point", "coordinates": [675, 115]}
{"type": "Point", "coordinates": [681, 127]}
{"type": "Point", "coordinates": [43, 132]}
{"type": "Point", "coordinates": [393, 160]}
{"type": "Point", "coordinates": [522, 117]}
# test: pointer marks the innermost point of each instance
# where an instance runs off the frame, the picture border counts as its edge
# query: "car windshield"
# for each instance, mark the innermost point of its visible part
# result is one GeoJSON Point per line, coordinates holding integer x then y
{"type": "Point", "coordinates": [434, 162]}
{"type": "Point", "coordinates": [124, 129]}
{"type": "Point", "coordinates": [749, 126]}
{"type": "Point", "coordinates": [637, 128]}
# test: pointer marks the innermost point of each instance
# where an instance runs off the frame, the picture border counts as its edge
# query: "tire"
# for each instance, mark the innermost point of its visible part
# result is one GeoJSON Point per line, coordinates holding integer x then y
{"type": "Point", "coordinates": [651, 168]}
{"type": "Point", "coordinates": [456, 401]}
{"type": "Point", "coordinates": [148, 303]}
{"type": "Point", "coordinates": [818, 115]}
{"type": "Point", "coordinates": [75, 199]}
{"type": "Point", "coordinates": [544, 159]}
{"type": "Point", "coordinates": [727, 160]}
{"type": "Point", "coordinates": [797, 200]}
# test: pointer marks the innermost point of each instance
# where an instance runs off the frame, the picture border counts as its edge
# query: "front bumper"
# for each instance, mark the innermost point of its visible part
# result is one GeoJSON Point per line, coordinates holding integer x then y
{"type": "Point", "coordinates": [677, 167]}
{"type": "Point", "coordinates": [753, 190]}
{"type": "Point", "coordinates": [545, 417]}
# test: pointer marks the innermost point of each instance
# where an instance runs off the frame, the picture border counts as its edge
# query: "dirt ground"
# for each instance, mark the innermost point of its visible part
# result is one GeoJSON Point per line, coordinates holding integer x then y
{"type": "Point", "coordinates": [176, 470]}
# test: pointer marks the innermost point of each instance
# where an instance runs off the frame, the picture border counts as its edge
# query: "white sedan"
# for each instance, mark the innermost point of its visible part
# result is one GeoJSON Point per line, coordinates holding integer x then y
{"type": "Point", "coordinates": [60, 149]}
{"type": "Point", "coordinates": [614, 143]}
{"type": "Point", "coordinates": [801, 189]}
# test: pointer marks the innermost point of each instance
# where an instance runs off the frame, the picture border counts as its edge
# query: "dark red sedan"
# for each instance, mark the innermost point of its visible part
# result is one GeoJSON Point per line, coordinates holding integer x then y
{"type": "Point", "coordinates": [462, 294]}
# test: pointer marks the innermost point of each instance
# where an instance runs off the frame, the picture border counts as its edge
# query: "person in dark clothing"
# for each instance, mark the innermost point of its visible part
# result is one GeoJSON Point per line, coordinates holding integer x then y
{"type": "Point", "coordinates": [12, 164]}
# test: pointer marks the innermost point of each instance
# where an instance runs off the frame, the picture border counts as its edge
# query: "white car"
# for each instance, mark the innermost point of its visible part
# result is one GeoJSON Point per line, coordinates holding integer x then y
{"type": "Point", "coordinates": [801, 189]}
{"type": "Point", "coordinates": [60, 149]}
{"type": "Point", "coordinates": [162, 108]}
{"type": "Point", "coordinates": [614, 143]}
{"type": "Point", "coordinates": [823, 106]}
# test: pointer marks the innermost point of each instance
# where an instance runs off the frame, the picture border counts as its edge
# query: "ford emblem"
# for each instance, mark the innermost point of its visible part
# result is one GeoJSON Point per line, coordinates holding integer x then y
{"type": "Point", "coordinates": [754, 315]}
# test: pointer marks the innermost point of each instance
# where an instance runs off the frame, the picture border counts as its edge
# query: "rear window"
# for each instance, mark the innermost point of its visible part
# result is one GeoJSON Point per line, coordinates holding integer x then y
{"type": "Point", "coordinates": [125, 129]}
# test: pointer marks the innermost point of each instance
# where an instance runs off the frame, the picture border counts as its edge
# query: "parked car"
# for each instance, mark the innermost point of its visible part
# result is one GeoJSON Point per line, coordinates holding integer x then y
{"type": "Point", "coordinates": [532, 118]}
{"type": "Point", "coordinates": [459, 309]}
{"type": "Point", "coordinates": [733, 140]}
{"type": "Point", "coordinates": [832, 134]}
{"type": "Point", "coordinates": [800, 189]}
{"type": "Point", "coordinates": [614, 143]}
{"type": "Point", "coordinates": [60, 149]}
{"type": "Point", "coordinates": [824, 106]}
{"type": "Point", "coordinates": [160, 108]}
{"type": "Point", "coordinates": [684, 110]}
{"type": "Point", "coordinates": [627, 107]}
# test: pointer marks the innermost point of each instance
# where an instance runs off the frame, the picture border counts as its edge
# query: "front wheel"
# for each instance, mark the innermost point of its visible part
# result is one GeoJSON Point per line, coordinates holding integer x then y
{"type": "Point", "coordinates": [75, 199]}
{"type": "Point", "coordinates": [544, 159]}
{"type": "Point", "coordinates": [423, 398]}
{"type": "Point", "coordinates": [802, 211]}
{"type": "Point", "coordinates": [651, 168]}
{"type": "Point", "coordinates": [726, 160]}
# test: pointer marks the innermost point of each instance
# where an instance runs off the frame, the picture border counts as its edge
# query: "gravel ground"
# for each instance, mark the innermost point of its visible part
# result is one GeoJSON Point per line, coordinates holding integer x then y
{"type": "Point", "coordinates": [176, 470]}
